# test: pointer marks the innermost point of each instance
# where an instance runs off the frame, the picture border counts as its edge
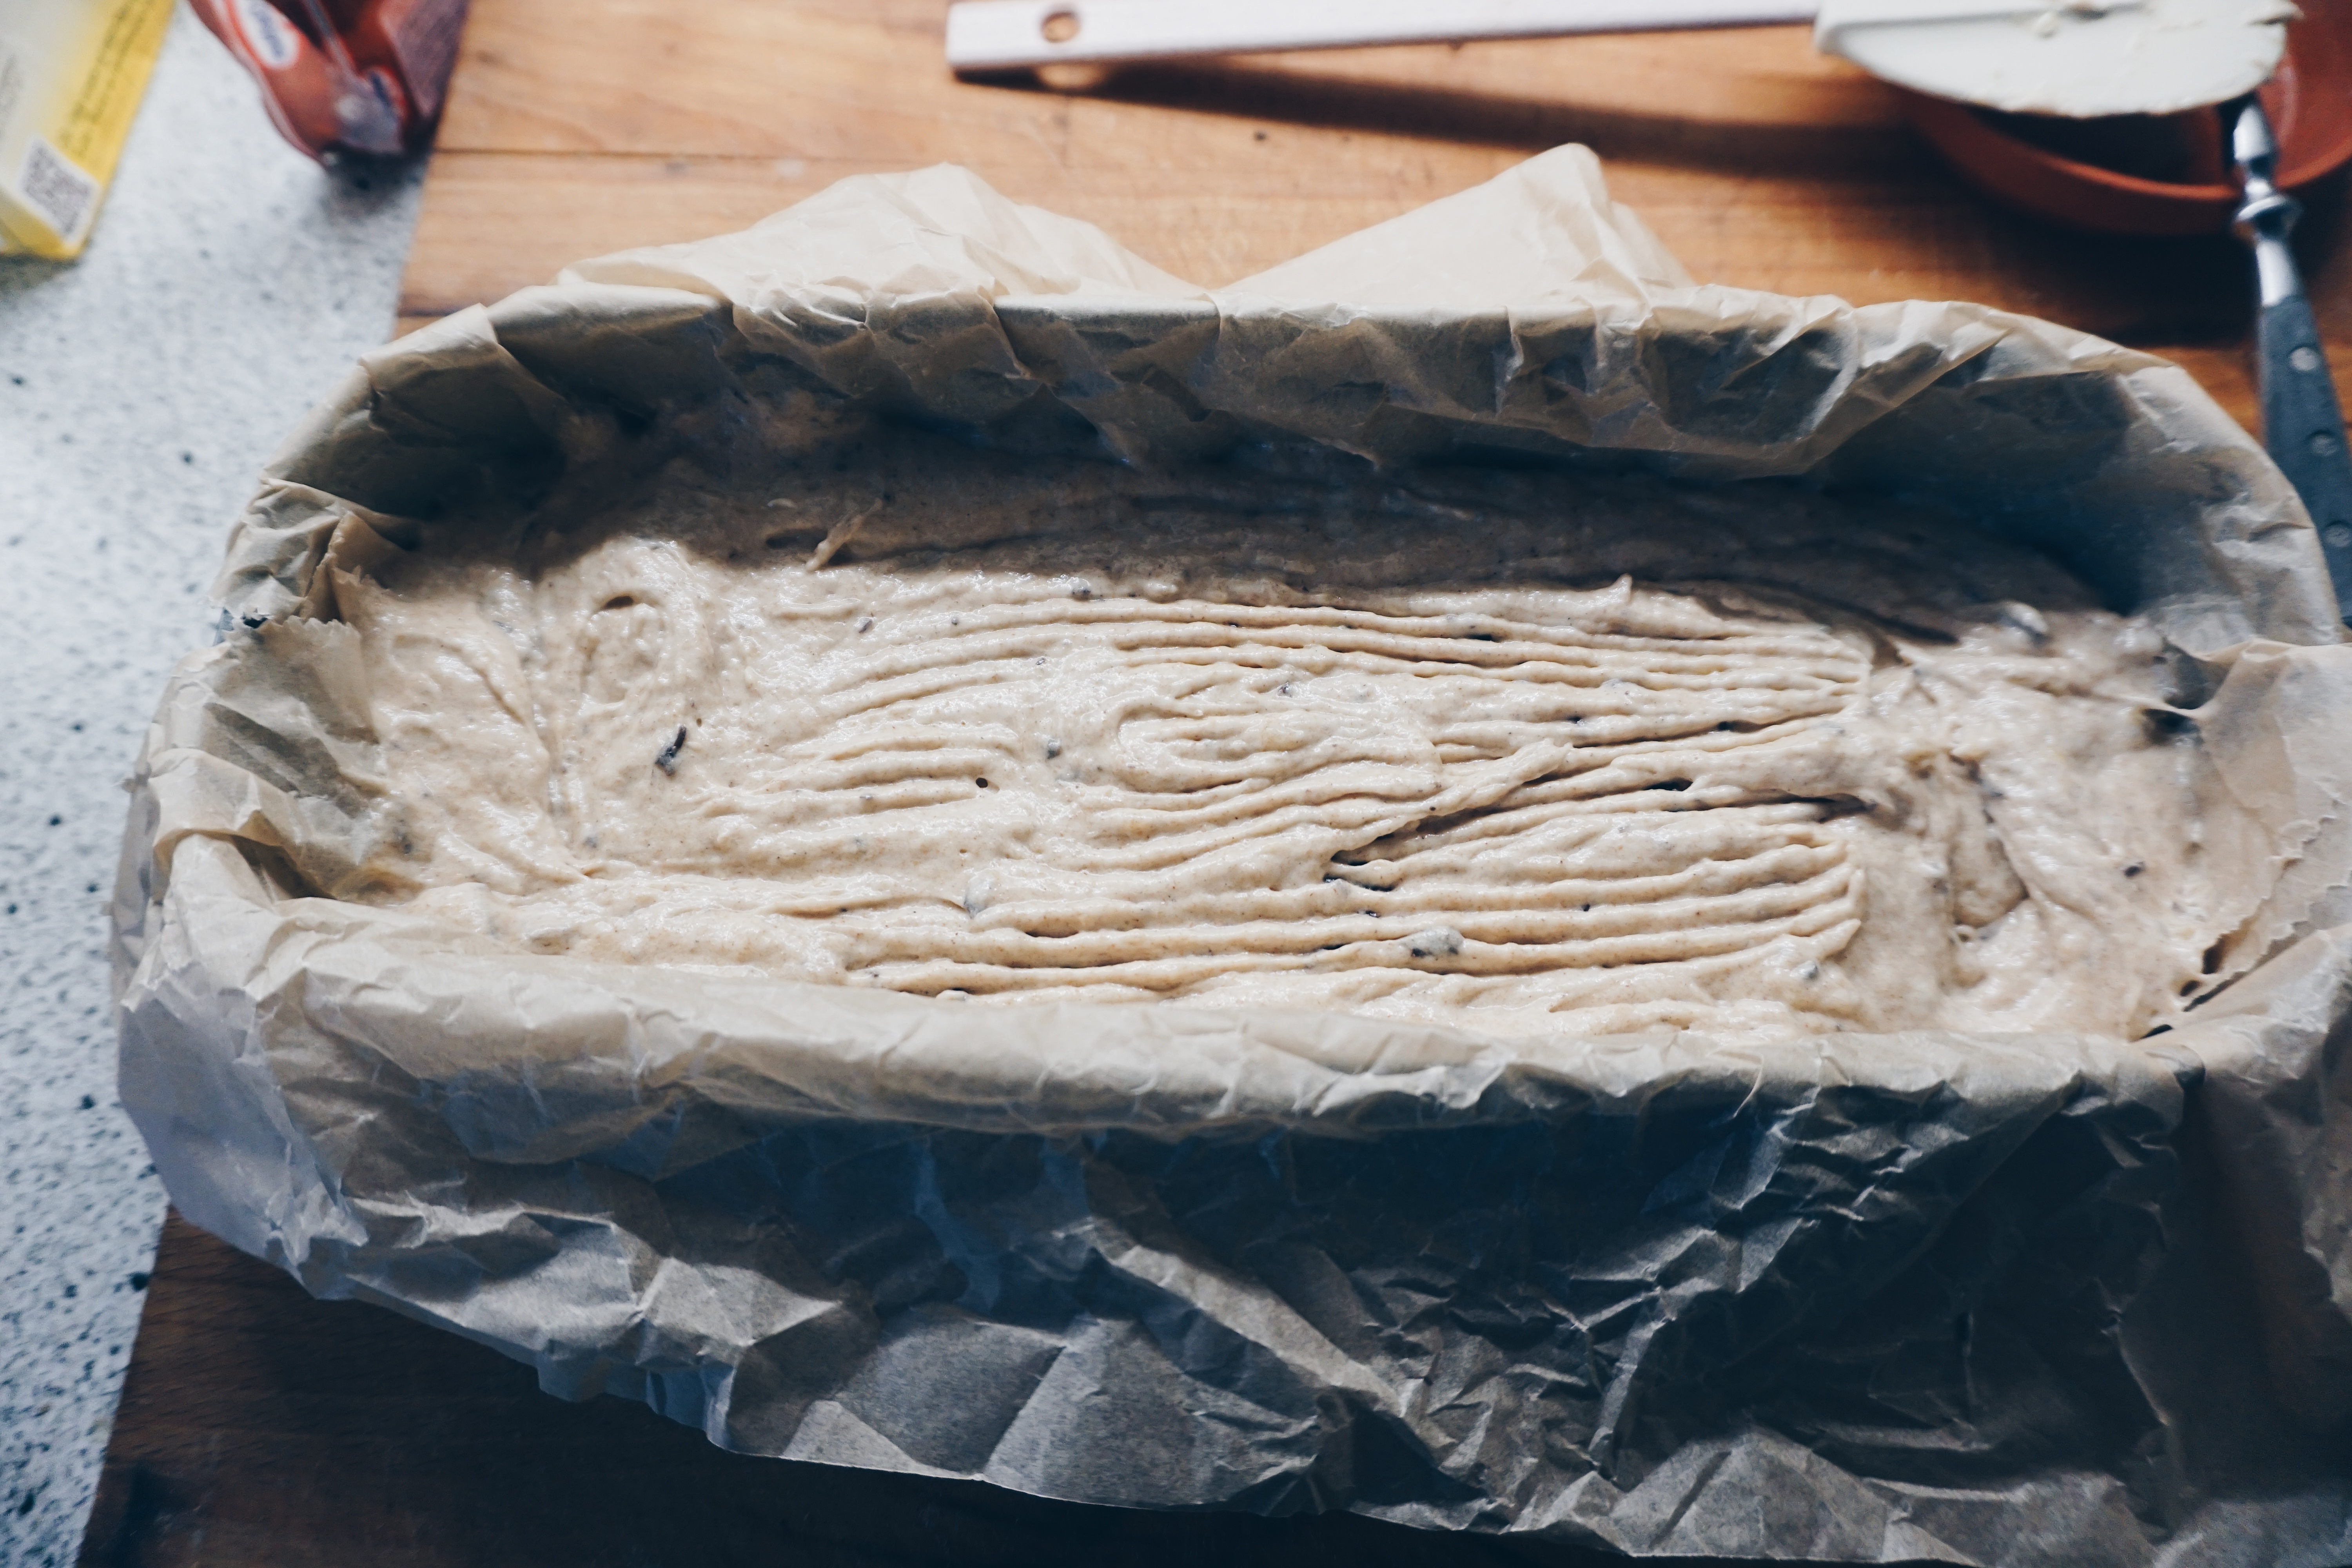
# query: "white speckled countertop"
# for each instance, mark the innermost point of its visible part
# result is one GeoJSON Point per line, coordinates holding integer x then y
{"type": "Point", "coordinates": [230, 283]}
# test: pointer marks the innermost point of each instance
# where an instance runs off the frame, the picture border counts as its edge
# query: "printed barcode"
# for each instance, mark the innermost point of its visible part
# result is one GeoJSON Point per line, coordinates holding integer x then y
{"type": "Point", "coordinates": [56, 189]}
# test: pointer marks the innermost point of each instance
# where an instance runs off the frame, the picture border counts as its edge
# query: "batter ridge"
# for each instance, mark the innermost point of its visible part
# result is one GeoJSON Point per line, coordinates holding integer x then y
{"type": "Point", "coordinates": [1510, 751]}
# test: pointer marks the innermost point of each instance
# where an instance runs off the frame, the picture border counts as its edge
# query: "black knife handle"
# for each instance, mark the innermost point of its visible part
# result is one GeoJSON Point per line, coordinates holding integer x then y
{"type": "Point", "coordinates": [2303, 424]}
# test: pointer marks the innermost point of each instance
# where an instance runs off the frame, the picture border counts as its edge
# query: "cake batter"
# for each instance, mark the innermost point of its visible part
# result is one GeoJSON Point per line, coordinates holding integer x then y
{"type": "Point", "coordinates": [1510, 753]}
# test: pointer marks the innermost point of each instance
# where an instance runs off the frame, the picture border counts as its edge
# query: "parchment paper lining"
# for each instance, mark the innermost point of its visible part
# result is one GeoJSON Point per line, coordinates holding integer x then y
{"type": "Point", "coordinates": [1866, 1298]}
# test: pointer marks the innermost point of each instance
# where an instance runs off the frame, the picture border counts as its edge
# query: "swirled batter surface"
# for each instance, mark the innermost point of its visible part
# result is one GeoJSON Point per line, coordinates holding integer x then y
{"type": "Point", "coordinates": [1516, 753]}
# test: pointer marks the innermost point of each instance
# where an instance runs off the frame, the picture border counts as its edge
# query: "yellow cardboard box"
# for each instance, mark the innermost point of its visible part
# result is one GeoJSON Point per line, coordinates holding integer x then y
{"type": "Point", "coordinates": [71, 75]}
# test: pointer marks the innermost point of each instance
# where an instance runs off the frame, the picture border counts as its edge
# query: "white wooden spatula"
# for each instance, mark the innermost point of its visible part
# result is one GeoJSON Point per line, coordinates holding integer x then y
{"type": "Point", "coordinates": [2082, 58]}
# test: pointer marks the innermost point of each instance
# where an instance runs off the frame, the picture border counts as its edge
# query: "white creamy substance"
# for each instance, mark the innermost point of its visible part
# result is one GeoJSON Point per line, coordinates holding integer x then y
{"type": "Point", "coordinates": [1512, 753]}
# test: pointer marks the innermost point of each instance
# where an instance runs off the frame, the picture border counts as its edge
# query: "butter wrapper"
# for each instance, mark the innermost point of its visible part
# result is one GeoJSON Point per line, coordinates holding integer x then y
{"type": "Point", "coordinates": [366, 78]}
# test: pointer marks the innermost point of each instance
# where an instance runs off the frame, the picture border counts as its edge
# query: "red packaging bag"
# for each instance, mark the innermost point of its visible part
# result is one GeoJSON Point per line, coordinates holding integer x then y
{"type": "Point", "coordinates": [345, 75]}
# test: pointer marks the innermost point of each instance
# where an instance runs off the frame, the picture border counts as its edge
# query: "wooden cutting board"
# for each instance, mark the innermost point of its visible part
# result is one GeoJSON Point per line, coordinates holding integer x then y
{"type": "Point", "coordinates": [578, 127]}
{"type": "Point", "coordinates": [260, 1427]}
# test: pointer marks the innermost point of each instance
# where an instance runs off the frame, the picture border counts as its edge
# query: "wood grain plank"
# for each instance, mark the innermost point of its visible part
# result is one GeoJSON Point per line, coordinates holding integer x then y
{"type": "Point", "coordinates": [702, 120]}
{"type": "Point", "coordinates": [580, 127]}
{"type": "Point", "coordinates": [811, 80]}
{"type": "Point", "coordinates": [1309, 147]}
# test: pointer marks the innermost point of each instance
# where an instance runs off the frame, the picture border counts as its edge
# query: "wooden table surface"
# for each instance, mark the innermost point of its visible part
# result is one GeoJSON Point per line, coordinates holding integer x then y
{"type": "Point", "coordinates": [260, 1427]}
{"type": "Point", "coordinates": [577, 127]}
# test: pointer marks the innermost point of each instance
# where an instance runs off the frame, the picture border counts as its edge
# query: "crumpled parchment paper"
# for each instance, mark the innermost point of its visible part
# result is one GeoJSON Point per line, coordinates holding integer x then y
{"type": "Point", "coordinates": [2019, 1301]}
